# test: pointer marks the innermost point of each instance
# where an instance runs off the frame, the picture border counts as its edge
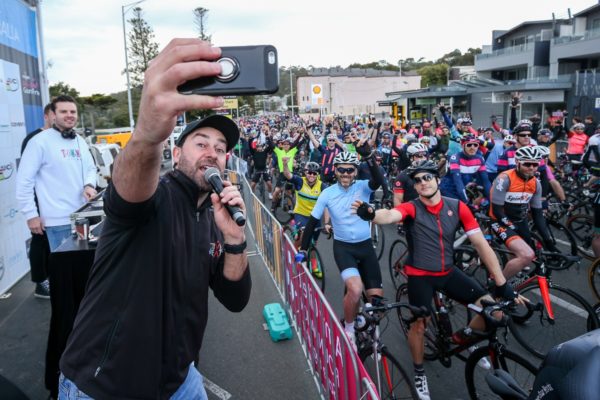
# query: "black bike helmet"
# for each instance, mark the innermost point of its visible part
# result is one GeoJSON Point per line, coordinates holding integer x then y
{"type": "Point", "coordinates": [423, 166]}
{"type": "Point", "coordinates": [523, 126]}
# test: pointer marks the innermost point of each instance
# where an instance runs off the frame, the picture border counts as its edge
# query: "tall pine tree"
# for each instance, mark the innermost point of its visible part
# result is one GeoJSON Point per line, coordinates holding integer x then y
{"type": "Point", "coordinates": [142, 47]}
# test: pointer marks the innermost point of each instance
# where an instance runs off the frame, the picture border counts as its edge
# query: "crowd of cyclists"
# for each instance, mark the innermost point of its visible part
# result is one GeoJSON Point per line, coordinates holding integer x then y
{"type": "Point", "coordinates": [434, 176]}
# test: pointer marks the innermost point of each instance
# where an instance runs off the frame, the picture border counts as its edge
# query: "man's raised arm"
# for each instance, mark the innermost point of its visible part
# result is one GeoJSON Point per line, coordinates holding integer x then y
{"type": "Point", "coordinates": [137, 169]}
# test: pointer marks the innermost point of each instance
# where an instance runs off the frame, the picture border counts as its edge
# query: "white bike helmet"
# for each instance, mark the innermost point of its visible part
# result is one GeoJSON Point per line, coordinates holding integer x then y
{"type": "Point", "coordinates": [543, 150]}
{"type": "Point", "coordinates": [346, 157]}
{"type": "Point", "coordinates": [509, 139]}
{"type": "Point", "coordinates": [529, 153]}
{"type": "Point", "coordinates": [416, 148]}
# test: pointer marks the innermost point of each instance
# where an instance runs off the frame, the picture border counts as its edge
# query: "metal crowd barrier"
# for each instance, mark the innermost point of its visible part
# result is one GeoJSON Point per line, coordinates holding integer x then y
{"type": "Point", "coordinates": [333, 362]}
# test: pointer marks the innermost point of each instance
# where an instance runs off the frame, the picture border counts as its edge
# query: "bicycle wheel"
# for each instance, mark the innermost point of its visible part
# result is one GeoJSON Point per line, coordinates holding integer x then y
{"type": "Point", "coordinates": [594, 278]}
{"type": "Point", "coordinates": [522, 370]}
{"type": "Point", "coordinates": [431, 348]}
{"type": "Point", "coordinates": [573, 316]}
{"type": "Point", "coordinates": [315, 265]}
{"type": "Point", "coordinates": [284, 212]}
{"type": "Point", "coordinates": [392, 382]}
{"type": "Point", "coordinates": [562, 237]}
{"type": "Point", "coordinates": [378, 239]}
{"type": "Point", "coordinates": [582, 227]}
{"type": "Point", "coordinates": [397, 257]}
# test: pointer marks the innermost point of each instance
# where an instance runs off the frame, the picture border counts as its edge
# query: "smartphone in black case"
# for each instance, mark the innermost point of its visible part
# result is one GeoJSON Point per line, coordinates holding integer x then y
{"type": "Point", "coordinates": [246, 70]}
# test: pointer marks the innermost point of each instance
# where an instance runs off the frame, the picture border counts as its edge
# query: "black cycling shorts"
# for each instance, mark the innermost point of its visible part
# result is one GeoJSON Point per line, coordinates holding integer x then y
{"type": "Point", "coordinates": [361, 256]}
{"type": "Point", "coordinates": [456, 284]}
{"type": "Point", "coordinates": [257, 174]}
{"type": "Point", "coordinates": [281, 181]}
{"type": "Point", "coordinates": [507, 234]}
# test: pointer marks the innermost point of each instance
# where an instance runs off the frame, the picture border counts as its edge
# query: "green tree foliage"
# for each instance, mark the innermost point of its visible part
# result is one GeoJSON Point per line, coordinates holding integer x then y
{"type": "Point", "coordinates": [435, 74]}
{"type": "Point", "coordinates": [142, 47]}
{"type": "Point", "coordinates": [63, 88]}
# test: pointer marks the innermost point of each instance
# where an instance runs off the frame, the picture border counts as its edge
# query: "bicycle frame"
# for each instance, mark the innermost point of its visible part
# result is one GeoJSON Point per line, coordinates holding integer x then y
{"type": "Point", "coordinates": [544, 282]}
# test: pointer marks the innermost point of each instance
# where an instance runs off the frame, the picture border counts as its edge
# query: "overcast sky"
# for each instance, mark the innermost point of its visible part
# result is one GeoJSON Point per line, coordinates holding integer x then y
{"type": "Point", "coordinates": [84, 39]}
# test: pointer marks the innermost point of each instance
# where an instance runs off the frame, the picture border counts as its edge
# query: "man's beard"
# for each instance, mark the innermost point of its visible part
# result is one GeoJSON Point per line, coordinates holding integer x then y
{"type": "Point", "coordinates": [195, 172]}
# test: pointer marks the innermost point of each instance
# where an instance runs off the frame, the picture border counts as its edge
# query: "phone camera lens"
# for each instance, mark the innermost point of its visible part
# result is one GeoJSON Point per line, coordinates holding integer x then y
{"type": "Point", "coordinates": [229, 69]}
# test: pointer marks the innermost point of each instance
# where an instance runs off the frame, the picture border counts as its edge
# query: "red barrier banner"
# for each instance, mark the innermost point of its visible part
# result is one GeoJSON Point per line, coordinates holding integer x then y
{"type": "Point", "coordinates": [334, 361]}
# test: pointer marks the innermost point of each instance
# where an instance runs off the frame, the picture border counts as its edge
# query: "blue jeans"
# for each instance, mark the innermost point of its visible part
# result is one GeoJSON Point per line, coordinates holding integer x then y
{"type": "Point", "coordinates": [57, 235]}
{"type": "Point", "coordinates": [191, 389]}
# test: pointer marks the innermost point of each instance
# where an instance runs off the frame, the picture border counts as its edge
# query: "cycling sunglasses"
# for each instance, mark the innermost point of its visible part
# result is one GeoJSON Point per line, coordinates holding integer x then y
{"type": "Point", "coordinates": [310, 173]}
{"type": "Point", "coordinates": [472, 145]}
{"type": "Point", "coordinates": [530, 164]}
{"type": "Point", "coordinates": [420, 155]}
{"type": "Point", "coordinates": [524, 134]}
{"type": "Point", "coordinates": [345, 170]}
{"type": "Point", "coordinates": [424, 178]}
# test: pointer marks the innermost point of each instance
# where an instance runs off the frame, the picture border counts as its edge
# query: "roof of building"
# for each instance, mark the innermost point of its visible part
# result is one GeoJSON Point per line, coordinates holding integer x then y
{"type": "Point", "coordinates": [527, 23]}
{"type": "Point", "coordinates": [588, 10]}
{"type": "Point", "coordinates": [357, 72]}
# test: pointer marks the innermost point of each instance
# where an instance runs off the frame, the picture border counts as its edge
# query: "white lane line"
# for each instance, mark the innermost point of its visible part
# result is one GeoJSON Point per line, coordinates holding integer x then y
{"type": "Point", "coordinates": [216, 389]}
{"type": "Point", "coordinates": [565, 304]}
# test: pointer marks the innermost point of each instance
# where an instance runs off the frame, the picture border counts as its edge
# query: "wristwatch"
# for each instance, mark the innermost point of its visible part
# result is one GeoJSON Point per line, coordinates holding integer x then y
{"type": "Point", "coordinates": [235, 248]}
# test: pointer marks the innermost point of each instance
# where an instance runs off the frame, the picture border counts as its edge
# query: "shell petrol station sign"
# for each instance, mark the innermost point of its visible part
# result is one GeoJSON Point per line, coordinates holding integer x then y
{"type": "Point", "coordinates": [316, 94]}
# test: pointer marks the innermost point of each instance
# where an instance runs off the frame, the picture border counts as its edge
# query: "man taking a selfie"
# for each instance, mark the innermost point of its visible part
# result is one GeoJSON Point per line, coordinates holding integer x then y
{"type": "Point", "coordinates": [165, 241]}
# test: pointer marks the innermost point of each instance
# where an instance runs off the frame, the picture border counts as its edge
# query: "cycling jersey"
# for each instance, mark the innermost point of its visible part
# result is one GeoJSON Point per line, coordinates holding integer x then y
{"type": "Point", "coordinates": [463, 170]}
{"type": "Point", "coordinates": [306, 195]}
{"type": "Point", "coordinates": [430, 234]}
{"type": "Point", "coordinates": [515, 195]}
{"type": "Point", "coordinates": [327, 157]}
{"type": "Point", "coordinates": [576, 142]}
{"type": "Point", "coordinates": [281, 154]}
{"type": "Point", "coordinates": [348, 227]}
{"type": "Point", "coordinates": [406, 186]}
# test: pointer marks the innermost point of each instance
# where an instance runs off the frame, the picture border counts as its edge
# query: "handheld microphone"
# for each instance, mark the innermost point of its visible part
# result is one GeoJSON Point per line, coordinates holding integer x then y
{"type": "Point", "coordinates": [213, 176]}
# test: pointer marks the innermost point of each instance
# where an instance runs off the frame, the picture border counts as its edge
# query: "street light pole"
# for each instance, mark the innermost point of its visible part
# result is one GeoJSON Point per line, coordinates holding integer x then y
{"type": "Point", "coordinates": [123, 11]}
{"type": "Point", "coordinates": [292, 91]}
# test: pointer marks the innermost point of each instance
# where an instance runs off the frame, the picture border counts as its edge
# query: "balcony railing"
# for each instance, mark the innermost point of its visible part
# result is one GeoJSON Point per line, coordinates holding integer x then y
{"type": "Point", "coordinates": [588, 35]}
{"type": "Point", "coordinates": [505, 51]}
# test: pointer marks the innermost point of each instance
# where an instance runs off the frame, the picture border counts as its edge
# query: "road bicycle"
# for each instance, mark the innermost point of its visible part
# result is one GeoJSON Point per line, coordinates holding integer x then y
{"type": "Point", "coordinates": [314, 260]}
{"type": "Point", "coordinates": [396, 259]}
{"type": "Point", "coordinates": [440, 344]}
{"type": "Point", "coordinates": [391, 380]}
{"type": "Point", "coordinates": [594, 278]}
{"type": "Point", "coordinates": [377, 234]}
{"type": "Point", "coordinates": [582, 227]}
{"type": "Point", "coordinates": [284, 208]}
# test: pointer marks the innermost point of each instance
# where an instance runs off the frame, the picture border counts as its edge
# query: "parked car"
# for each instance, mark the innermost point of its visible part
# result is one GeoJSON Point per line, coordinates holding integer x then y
{"type": "Point", "coordinates": [104, 155]}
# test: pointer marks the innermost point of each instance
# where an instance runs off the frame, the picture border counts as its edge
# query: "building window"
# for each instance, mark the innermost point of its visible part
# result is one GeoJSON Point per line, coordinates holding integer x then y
{"type": "Point", "coordinates": [595, 24]}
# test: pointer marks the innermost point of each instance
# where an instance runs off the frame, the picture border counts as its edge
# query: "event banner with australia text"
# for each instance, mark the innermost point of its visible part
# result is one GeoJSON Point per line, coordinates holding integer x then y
{"type": "Point", "coordinates": [21, 111]}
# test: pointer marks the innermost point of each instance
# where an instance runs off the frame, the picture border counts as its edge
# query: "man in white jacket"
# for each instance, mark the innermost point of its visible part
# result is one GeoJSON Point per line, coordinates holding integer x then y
{"type": "Point", "coordinates": [58, 166]}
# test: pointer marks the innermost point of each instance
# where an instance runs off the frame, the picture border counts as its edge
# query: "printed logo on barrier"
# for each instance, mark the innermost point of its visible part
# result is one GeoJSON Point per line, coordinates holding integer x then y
{"type": "Point", "coordinates": [30, 85]}
{"type": "Point", "coordinates": [11, 84]}
{"type": "Point", "coordinates": [6, 171]}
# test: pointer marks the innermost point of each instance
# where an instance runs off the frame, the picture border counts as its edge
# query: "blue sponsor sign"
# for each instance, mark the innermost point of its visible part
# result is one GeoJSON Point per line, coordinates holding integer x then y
{"type": "Point", "coordinates": [18, 27]}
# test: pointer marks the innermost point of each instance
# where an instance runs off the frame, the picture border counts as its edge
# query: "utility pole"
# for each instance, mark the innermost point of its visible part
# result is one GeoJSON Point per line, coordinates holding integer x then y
{"type": "Point", "coordinates": [292, 89]}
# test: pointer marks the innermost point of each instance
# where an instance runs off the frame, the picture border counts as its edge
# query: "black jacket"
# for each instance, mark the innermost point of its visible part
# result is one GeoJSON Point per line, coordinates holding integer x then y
{"type": "Point", "coordinates": [141, 322]}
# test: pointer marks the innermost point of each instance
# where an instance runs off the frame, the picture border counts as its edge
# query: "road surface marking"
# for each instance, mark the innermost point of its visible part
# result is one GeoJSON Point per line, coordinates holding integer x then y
{"type": "Point", "coordinates": [216, 390]}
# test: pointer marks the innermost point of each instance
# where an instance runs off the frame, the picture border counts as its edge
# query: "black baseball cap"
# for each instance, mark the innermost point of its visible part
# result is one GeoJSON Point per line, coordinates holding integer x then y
{"type": "Point", "coordinates": [225, 125]}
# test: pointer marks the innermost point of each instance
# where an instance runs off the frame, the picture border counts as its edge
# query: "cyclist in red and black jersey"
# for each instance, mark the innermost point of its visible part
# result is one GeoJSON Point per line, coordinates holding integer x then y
{"type": "Point", "coordinates": [431, 222]}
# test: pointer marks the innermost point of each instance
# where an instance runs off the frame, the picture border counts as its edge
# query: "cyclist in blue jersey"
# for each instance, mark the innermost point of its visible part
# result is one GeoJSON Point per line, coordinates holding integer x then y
{"type": "Point", "coordinates": [352, 246]}
{"type": "Point", "coordinates": [465, 167]}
